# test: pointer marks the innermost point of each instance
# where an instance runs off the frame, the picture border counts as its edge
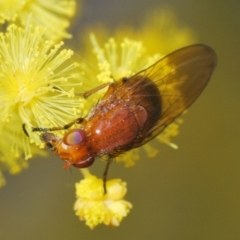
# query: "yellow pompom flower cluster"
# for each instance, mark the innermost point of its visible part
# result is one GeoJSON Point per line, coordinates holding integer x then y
{"type": "Point", "coordinates": [51, 14]}
{"type": "Point", "coordinates": [36, 89]}
{"type": "Point", "coordinates": [94, 207]}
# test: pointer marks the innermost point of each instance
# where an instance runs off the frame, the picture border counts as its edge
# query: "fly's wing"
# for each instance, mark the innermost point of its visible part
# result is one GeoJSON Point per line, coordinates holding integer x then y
{"type": "Point", "coordinates": [180, 77]}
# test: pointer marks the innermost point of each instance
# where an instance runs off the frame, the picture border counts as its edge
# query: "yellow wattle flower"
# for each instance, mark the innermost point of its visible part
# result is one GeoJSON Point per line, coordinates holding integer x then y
{"type": "Point", "coordinates": [94, 207]}
{"type": "Point", "coordinates": [36, 88]}
{"type": "Point", "coordinates": [52, 14]}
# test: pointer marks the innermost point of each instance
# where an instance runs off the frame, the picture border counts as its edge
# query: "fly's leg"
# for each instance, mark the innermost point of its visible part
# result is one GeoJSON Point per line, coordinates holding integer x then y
{"type": "Point", "coordinates": [109, 161]}
{"type": "Point", "coordinates": [92, 91]}
{"type": "Point", "coordinates": [77, 121]}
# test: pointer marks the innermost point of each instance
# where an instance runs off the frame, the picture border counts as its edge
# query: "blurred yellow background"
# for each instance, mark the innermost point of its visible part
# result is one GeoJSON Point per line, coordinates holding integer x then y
{"type": "Point", "coordinates": [192, 193]}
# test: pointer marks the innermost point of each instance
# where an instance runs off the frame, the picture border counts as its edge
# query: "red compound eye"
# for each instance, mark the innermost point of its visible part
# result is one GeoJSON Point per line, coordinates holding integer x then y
{"type": "Point", "coordinates": [74, 136]}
